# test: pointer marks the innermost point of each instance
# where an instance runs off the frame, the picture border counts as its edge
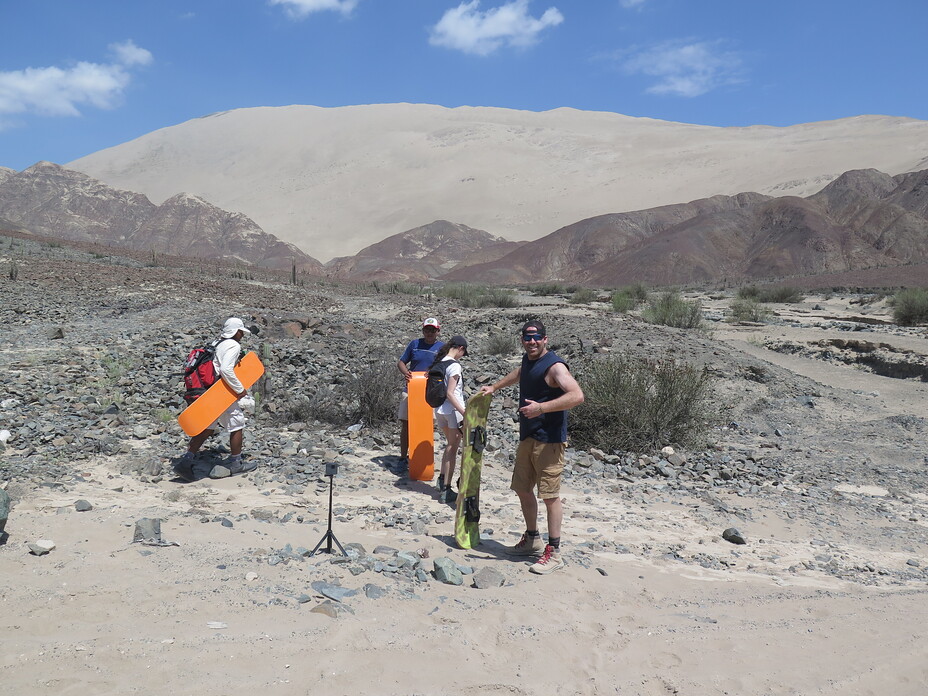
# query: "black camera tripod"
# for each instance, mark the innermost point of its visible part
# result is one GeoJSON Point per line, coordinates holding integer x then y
{"type": "Point", "coordinates": [330, 470]}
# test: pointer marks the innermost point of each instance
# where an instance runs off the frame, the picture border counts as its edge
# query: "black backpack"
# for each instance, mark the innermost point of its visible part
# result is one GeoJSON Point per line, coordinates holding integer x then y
{"type": "Point", "coordinates": [436, 388]}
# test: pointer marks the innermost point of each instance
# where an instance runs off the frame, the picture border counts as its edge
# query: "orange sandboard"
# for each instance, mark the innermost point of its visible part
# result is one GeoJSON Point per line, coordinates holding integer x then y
{"type": "Point", "coordinates": [421, 430]}
{"type": "Point", "coordinates": [199, 415]}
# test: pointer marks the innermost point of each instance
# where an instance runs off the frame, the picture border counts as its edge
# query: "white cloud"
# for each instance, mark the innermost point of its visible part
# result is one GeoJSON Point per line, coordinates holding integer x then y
{"type": "Point", "coordinates": [466, 28]}
{"type": "Point", "coordinates": [686, 69]}
{"type": "Point", "coordinates": [298, 9]}
{"type": "Point", "coordinates": [58, 91]}
{"type": "Point", "coordinates": [127, 53]}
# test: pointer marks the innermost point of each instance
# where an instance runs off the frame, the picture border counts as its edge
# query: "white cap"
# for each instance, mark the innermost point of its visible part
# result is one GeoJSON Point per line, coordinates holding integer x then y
{"type": "Point", "coordinates": [232, 326]}
{"type": "Point", "coordinates": [431, 321]}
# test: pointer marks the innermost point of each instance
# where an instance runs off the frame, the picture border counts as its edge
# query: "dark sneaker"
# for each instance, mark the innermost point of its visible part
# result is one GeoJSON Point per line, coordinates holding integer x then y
{"type": "Point", "coordinates": [183, 467]}
{"type": "Point", "coordinates": [527, 546]}
{"type": "Point", "coordinates": [549, 562]}
{"type": "Point", "coordinates": [232, 467]}
{"type": "Point", "coordinates": [448, 496]}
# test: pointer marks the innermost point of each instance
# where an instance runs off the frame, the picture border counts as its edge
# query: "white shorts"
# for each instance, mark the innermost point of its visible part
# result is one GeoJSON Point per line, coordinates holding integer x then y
{"type": "Point", "coordinates": [232, 419]}
{"type": "Point", "coordinates": [448, 420]}
{"type": "Point", "coordinates": [402, 411]}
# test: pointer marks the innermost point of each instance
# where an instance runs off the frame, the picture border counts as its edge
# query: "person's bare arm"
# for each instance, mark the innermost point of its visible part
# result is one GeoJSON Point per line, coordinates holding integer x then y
{"type": "Point", "coordinates": [557, 376]}
{"type": "Point", "coordinates": [452, 397]}
{"type": "Point", "coordinates": [404, 370]}
{"type": "Point", "coordinates": [507, 381]}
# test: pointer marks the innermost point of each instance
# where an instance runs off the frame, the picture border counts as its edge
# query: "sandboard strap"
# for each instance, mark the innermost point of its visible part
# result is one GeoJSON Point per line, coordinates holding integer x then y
{"type": "Point", "coordinates": [478, 439]}
{"type": "Point", "coordinates": [471, 509]}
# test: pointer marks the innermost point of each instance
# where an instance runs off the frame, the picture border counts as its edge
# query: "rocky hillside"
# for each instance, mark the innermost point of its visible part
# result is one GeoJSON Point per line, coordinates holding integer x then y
{"type": "Point", "coordinates": [864, 219]}
{"type": "Point", "coordinates": [50, 200]}
{"type": "Point", "coordinates": [420, 254]}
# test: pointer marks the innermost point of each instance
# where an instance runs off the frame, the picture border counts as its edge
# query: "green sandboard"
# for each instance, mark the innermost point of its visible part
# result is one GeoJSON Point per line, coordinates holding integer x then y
{"type": "Point", "coordinates": [467, 519]}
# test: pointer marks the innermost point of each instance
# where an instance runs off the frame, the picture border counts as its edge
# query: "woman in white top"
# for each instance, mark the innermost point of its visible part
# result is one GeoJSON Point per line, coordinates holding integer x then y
{"type": "Point", "coordinates": [450, 415]}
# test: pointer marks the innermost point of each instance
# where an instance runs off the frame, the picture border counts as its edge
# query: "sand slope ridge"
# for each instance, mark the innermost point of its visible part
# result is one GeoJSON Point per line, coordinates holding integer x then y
{"type": "Point", "coordinates": [335, 180]}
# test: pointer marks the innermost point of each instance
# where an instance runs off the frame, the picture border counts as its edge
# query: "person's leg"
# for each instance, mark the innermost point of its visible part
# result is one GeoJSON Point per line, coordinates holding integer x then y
{"type": "Point", "coordinates": [555, 513]}
{"type": "Point", "coordinates": [523, 483]}
{"type": "Point", "coordinates": [234, 421]}
{"type": "Point", "coordinates": [551, 464]}
{"type": "Point", "coordinates": [402, 414]}
{"type": "Point", "coordinates": [450, 455]}
{"type": "Point", "coordinates": [236, 439]}
{"type": "Point", "coordinates": [196, 442]}
{"type": "Point", "coordinates": [529, 509]}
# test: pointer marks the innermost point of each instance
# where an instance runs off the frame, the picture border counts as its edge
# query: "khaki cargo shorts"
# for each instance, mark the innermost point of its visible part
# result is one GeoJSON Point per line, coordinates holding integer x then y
{"type": "Point", "coordinates": [539, 464]}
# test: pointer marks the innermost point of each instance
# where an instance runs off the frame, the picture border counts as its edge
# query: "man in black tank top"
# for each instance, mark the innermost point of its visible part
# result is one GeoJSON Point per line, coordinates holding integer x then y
{"type": "Point", "coordinates": [547, 391]}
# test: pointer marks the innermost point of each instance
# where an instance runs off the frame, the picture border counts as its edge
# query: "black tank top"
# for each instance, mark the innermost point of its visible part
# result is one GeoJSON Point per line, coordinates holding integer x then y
{"type": "Point", "coordinates": [548, 427]}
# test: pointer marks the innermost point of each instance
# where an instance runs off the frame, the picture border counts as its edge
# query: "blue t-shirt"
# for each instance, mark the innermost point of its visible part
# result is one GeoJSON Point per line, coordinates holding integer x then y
{"type": "Point", "coordinates": [419, 355]}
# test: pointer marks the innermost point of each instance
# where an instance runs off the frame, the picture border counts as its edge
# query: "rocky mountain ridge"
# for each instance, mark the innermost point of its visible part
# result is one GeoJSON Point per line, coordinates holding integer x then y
{"type": "Point", "coordinates": [51, 200]}
{"type": "Point", "coordinates": [421, 254]}
{"type": "Point", "coordinates": [864, 219]}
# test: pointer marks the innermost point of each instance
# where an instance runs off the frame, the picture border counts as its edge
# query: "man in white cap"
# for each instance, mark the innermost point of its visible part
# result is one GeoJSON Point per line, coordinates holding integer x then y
{"type": "Point", "coordinates": [418, 357]}
{"type": "Point", "coordinates": [225, 357]}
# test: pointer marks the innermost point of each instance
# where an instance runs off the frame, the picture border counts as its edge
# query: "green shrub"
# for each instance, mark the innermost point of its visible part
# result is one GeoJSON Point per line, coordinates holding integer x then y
{"type": "Point", "coordinates": [479, 296]}
{"type": "Point", "coordinates": [639, 405]}
{"type": "Point", "coordinates": [397, 287]}
{"type": "Point", "coordinates": [373, 393]}
{"type": "Point", "coordinates": [748, 310]}
{"type": "Point", "coordinates": [910, 307]}
{"type": "Point", "coordinates": [549, 289]}
{"type": "Point", "coordinates": [623, 302]}
{"type": "Point", "coordinates": [582, 296]}
{"type": "Point", "coordinates": [771, 293]}
{"type": "Point", "coordinates": [369, 396]}
{"type": "Point", "coordinates": [316, 403]}
{"type": "Point", "coordinates": [501, 344]}
{"type": "Point", "coordinates": [638, 291]}
{"type": "Point", "coordinates": [670, 309]}
{"type": "Point", "coordinates": [500, 297]}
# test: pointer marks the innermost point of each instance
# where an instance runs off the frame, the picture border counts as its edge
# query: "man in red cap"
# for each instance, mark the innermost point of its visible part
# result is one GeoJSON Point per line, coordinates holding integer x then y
{"type": "Point", "coordinates": [418, 357]}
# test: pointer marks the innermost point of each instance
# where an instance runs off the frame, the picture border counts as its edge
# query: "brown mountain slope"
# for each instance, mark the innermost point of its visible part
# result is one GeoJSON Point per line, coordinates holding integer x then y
{"type": "Point", "coordinates": [50, 200]}
{"type": "Point", "coordinates": [421, 254]}
{"type": "Point", "coordinates": [571, 251]}
{"type": "Point", "coordinates": [863, 219]}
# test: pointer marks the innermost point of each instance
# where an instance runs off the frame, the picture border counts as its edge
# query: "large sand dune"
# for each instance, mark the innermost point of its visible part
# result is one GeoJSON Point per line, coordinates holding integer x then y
{"type": "Point", "coordinates": [334, 180]}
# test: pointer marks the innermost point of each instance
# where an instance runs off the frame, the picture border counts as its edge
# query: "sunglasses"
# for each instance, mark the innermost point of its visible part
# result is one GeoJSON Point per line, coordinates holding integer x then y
{"type": "Point", "coordinates": [429, 328]}
{"type": "Point", "coordinates": [533, 337]}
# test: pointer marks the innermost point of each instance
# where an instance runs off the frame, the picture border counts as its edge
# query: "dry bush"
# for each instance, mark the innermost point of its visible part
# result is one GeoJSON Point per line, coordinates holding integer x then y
{"type": "Point", "coordinates": [910, 307]}
{"type": "Point", "coordinates": [670, 309]}
{"type": "Point", "coordinates": [638, 405]}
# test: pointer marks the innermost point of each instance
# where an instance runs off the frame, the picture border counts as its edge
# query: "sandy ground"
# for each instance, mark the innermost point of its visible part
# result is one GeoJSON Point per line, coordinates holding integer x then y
{"type": "Point", "coordinates": [209, 615]}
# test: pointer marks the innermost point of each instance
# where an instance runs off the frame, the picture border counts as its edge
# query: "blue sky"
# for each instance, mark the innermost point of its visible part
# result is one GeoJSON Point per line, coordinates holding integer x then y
{"type": "Point", "coordinates": [80, 76]}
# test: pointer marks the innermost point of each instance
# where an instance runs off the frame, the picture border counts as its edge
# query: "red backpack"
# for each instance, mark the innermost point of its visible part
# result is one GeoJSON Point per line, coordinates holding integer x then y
{"type": "Point", "coordinates": [199, 372]}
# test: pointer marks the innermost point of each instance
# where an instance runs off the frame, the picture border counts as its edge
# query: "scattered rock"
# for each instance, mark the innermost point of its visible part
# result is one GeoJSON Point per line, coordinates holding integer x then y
{"type": "Point", "coordinates": [446, 571]}
{"type": "Point", "coordinates": [40, 547]}
{"type": "Point", "coordinates": [148, 529]}
{"type": "Point", "coordinates": [333, 592]}
{"type": "Point", "coordinates": [488, 577]}
{"type": "Point", "coordinates": [732, 535]}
